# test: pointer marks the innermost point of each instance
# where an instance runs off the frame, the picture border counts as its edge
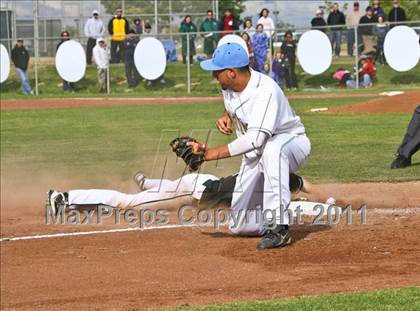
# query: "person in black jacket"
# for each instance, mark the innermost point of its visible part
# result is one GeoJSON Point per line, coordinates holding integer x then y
{"type": "Point", "coordinates": [20, 58]}
{"type": "Point", "coordinates": [396, 14]}
{"type": "Point", "coordinates": [366, 32]}
{"type": "Point", "coordinates": [336, 17]}
{"type": "Point", "coordinates": [288, 55]}
{"type": "Point", "coordinates": [318, 21]}
{"type": "Point", "coordinates": [133, 77]}
{"type": "Point", "coordinates": [67, 86]}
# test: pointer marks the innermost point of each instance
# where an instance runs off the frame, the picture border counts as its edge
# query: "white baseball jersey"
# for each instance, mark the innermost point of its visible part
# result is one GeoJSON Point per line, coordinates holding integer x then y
{"type": "Point", "coordinates": [263, 180]}
{"type": "Point", "coordinates": [262, 105]}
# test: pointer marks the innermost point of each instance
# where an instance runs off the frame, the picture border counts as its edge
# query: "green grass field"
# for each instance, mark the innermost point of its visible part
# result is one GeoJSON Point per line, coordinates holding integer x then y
{"type": "Point", "coordinates": [119, 140]}
{"type": "Point", "coordinates": [202, 84]}
{"type": "Point", "coordinates": [389, 299]}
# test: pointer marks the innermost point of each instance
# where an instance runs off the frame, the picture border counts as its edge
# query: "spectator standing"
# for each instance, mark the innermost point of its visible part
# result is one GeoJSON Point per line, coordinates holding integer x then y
{"type": "Point", "coordinates": [260, 45]}
{"type": "Point", "coordinates": [188, 26]}
{"type": "Point", "coordinates": [118, 27]}
{"type": "Point", "coordinates": [94, 29]}
{"type": "Point", "coordinates": [67, 86]}
{"type": "Point", "coordinates": [318, 21]}
{"type": "Point", "coordinates": [381, 31]}
{"type": "Point", "coordinates": [352, 21]}
{"type": "Point", "coordinates": [130, 43]}
{"type": "Point", "coordinates": [368, 37]}
{"type": "Point", "coordinates": [209, 25]}
{"type": "Point", "coordinates": [138, 26]}
{"type": "Point", "coordinates": [288, 51]}
{"type": "Point", "coordinates": [101, 57]}
{"type": "Point", "coordinates": [397, 14]}
{"type": "Point", "coordinates": [267, 22]}
{"type": "Point", "coordinates": [248, 28]}
{"type": "Point", "coordinates": [277, 69]}
{"type": "Point", "coordinates": [248, 41]}
{"type": "Point", "coordinates": [229, 23]}
{"type": "Point", "coordinates": [335, 18]}
{"type": "Point", "coordinates": [377, 10]}
{"type": "Point", "coordinates": [149, 33]}
{"type": "Point", "coordinates": [20, 58]}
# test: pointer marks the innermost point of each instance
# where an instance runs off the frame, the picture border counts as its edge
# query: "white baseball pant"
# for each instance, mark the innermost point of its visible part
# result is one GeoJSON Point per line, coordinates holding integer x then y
{"type": "Point", "coordinates": [262, 191]}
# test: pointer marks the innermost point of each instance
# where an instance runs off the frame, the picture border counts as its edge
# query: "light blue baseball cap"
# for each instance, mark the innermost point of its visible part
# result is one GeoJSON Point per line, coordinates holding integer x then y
{"type": "Point", "coordinates": [228, 55]}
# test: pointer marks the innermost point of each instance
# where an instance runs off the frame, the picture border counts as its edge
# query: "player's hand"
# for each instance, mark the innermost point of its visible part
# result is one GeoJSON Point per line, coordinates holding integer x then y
{"type": "Point", "coordinates": [197, 147]}
{"type": "Point", "coordinates": [224, 124]}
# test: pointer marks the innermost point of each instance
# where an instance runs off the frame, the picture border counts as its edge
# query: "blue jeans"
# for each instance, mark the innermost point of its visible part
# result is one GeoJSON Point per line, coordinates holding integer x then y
{"type": "Point", "coordinates": [23, 75]}
{"type": "Point", "coordinates": [366, 80]}
{"type": "Point", "coordinates": [350, 42]}
{"type": "Point", "coordinates": [336, 38]}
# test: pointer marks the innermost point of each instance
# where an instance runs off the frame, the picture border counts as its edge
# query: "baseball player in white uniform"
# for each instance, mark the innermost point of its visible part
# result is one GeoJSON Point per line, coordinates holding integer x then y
{"type": "Point", "coordinates": [207, 189]}
{"type": "Point", "coordinates": [270, 137]}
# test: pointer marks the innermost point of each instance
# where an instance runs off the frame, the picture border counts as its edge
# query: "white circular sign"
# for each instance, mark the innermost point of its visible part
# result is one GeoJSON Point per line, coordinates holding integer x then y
{"type": "Point", "coordinates": [233, 39]}
{"type": "Point", "coordinates": [150, 58]}
{"type": "Point", "coordinates": [70, 61]}
{"type": "Point", "coordinates": [314, 52]}
{"type": "Point", "coordinates": [5, 63]}
{"type": "Point", "coordinates": [401, 48]}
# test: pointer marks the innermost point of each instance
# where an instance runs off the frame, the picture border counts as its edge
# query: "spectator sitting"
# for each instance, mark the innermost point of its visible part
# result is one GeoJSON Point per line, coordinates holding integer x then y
{"type": "Point", "coordinates": [336, 17]}
{"type": "Point", "coordinates": [20, 58]}
{"type": "Point", "coordinates": [67, 86]}
{"type": "Point", "coordinates": [118, 27]}
{"type": "Point", "coordinates": [248, 42]}
{"type": "Point", "coordinates": [149, 32]}
{"type": "Point", "coordinates": [188, 26]}
{"type": "Point", "coordinates": [343, 76]}
{"type": "Point", "coordinates": [367, 71]}
{"type": "Point", "coordinates": [377, 10]}
{"type": "Point", "coordinates": [278, 69]}
{"type": "Point", "coordinates": [318, 21]}
{"type": "Point", "coordinates": [368, 37]}
{"type": "Point", "coordinates": [260, 45]}
{"type": "Point", "coordinates": [397, 14]}
{"type": "Point", "coordinates": [229, 23]}
{"type": "Point", "coordinates": [381, 31]}
{"type": "Point", "coordinates": [101, 57]}
{"type": "Point", "coordinates": [94, 29]}
{"type": "Point", "coordinates": [267, 22]}
{"type": "Point", "coordinates": [130, 43]}
{"type": "Point", "coordinates": [288, 52]}
{"type": "Point", "coordinates": [138, 26]}
{"type": "Point", "coordinates": [352, 21]}
{"type": "Point", "coordinates": [248, 28]}
{"type": "Point", "coordinates": [209, 25]}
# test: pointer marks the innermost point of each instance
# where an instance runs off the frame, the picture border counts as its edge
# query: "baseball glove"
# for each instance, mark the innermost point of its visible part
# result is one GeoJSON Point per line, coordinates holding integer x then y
{"type": "Point", "coordinates": [181, 148]}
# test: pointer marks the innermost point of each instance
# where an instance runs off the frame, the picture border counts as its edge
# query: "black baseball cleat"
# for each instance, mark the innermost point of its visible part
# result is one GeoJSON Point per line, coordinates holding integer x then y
{"type": "Point", "coordinates": [400, 162]}
{"type": "Point", "coordinates": [57, 200]}
{"type": "Point", "coordinates": [277, 237]}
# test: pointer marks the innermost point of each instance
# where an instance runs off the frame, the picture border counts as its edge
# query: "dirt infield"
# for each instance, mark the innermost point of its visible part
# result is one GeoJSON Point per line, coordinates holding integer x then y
{"type": "Point", "coordinates": [406, 102]}
{"type": "Point", "coordinates": [138, 101]}
{"type": "Point", "coordinates": [190, 266]}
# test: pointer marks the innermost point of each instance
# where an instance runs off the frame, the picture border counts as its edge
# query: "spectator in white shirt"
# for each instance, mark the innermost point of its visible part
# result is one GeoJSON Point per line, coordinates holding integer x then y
{"type": "Point", "coordinates": [101, 57]}
{"type": "Point", "coordinates": [267, 22]}
{"type": "Point", "coordinates": [94, 29]}
{"type": "Point", "coordinates": [352, 20]}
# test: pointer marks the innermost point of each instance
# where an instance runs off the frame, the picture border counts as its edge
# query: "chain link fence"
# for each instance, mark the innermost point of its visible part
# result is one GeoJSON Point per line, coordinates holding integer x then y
{"type": "Point", "coordinates": [42, 34]}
